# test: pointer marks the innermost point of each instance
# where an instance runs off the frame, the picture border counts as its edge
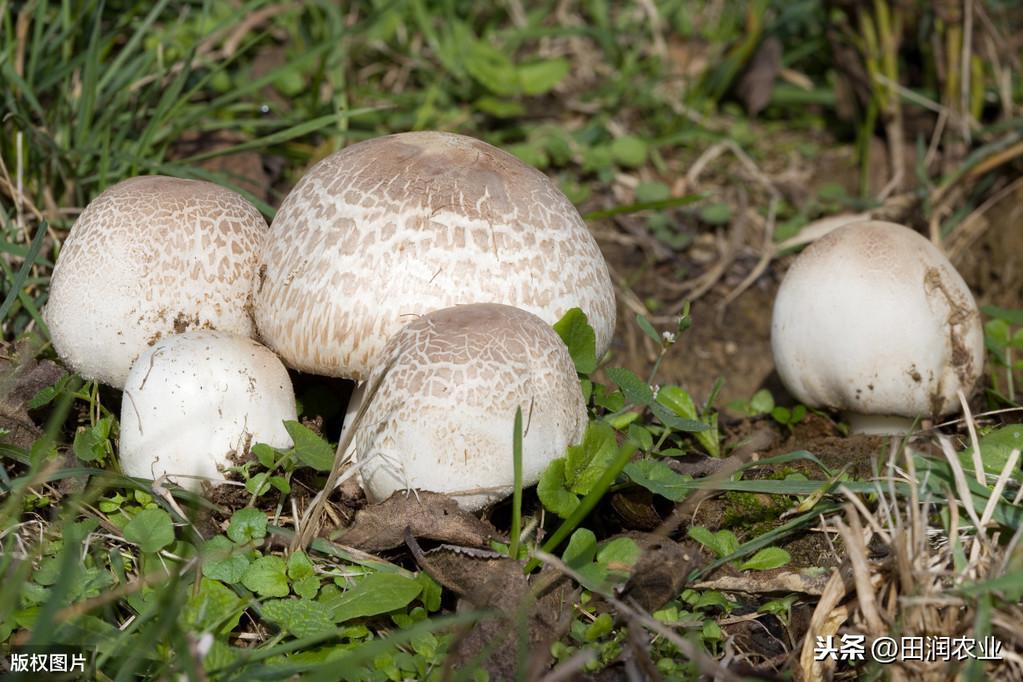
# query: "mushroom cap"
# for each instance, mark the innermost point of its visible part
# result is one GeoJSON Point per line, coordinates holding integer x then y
{"type": "Point", "coordinates": [443, 416]}
{"type": "Point", "coordinates": [148, 257]}
{"type": "Point", "coordinates": [192, 400]}
{"type": "Point", "coordinates": [405, 224]}
{"type": "Point", "coordinates": [873, 319]}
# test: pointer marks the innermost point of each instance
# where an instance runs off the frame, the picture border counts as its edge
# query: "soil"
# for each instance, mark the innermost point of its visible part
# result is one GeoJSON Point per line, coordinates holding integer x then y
{"type": "Point", "coordinates": [733, 343]}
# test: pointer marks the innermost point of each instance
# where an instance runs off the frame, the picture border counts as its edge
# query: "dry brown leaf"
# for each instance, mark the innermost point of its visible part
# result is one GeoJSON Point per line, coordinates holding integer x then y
{"type": "Point", "coordinates": [541, 607]}
{"type": "Point", "coordinates": [757, 83]}
{"type": "Point", "coordinates": [379, 527]}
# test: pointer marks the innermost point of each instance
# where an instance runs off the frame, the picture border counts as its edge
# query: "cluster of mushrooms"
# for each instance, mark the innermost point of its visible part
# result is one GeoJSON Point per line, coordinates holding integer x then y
{"type": "Point", "coordinates": [431, 266]}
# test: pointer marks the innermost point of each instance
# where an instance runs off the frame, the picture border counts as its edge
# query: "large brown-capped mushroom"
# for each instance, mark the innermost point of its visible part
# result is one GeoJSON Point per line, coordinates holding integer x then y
{"type": "Point", "coordinates": [409, 223]}
{"type": "Point", "coordinates": [148, 257]}
{"type": "Point", "coordinates": [873, 320]}
{"type": "Point", "coordinates": [442, 418]}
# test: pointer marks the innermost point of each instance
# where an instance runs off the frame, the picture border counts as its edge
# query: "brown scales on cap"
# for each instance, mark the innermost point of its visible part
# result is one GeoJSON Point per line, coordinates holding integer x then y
{"type": "Point", "coordinates": [143, 256]}
{"type": "Point", "coordinates": [405, 224]}
{"type": "Point", "coordinates": [442, 418]}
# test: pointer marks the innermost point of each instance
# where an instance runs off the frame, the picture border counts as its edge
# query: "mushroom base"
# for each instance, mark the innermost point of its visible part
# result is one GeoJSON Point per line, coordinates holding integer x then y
{"type": "Point", "coordinates": [878, 424]}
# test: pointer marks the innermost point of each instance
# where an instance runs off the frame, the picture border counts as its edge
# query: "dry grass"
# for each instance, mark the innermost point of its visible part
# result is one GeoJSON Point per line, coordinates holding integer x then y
{"type": "Point", "coordinates": [912, 564]}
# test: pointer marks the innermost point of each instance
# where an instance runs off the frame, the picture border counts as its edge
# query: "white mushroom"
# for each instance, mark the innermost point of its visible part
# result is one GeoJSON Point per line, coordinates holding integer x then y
{"type": "Point", "coordinates": [194, 399]}
{"type": "Point", "coordinates": [148, 257]}
{"type": "Point", "coordinates": [442, 418]}
{"type": "Point", "coordinates": [405, 224]}
{"type": "Point", "coordinates": [873, 320]}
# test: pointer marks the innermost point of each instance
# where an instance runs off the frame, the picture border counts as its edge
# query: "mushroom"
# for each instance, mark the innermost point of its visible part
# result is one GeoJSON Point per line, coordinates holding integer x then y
{"type": "Point", "coordinates": [148, 257]}
{"type": "Point", "coordinates": [442, 415]}
{"type": "Point", "coordinates": [194, 400]}
{"type": "Point", "coordinates": [874, 321]}
{"type": "Point", "coordinates": [405, 224]}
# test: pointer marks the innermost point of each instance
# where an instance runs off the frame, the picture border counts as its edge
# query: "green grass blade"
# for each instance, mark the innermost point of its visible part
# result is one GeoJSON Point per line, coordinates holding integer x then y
{"type": "Point", "coordinates": [516, 525]}
{"type": "Point", "coordinates": [587, 504]}
{"type": "Point", "coordinates": [26, 268]}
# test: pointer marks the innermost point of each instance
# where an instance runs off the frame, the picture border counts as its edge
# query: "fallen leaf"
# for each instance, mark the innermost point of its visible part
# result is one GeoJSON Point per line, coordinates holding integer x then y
{"type": "Point", "coordinates": [662, 569]}
{"type": "Point", "coordinates": [757, 83]}
{"type": "Point", "coordinates": [378, 527]}
{"type": "Point", "coordinates": [540, 606]}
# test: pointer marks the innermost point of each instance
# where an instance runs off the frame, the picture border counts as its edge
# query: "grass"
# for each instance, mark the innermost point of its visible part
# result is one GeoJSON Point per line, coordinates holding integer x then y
{"type": "Point", "coordinates": [628, 108]}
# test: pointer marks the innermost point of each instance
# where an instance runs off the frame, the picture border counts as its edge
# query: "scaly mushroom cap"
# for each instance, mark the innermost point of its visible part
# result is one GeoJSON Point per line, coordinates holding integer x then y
{"type": "Point", "coordinates": [443, 417]}
{"type": "Point", "coordinates": [193, 400]}
{"type": "Point", "coordinates": [874, 320]}
{"type": "Point", "coordinates": [148, 257]}
{"type": "Point", "coordinates": [405, 224]}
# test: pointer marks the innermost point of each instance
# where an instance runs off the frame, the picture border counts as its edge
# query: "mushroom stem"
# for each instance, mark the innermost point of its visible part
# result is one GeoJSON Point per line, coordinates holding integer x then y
{"type": "Point", "coordinates": [877, 424]}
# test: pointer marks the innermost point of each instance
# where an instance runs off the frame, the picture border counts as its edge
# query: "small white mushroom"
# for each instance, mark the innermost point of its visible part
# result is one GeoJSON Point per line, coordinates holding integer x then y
{"type": "Point", "coordinates": [443, 416]}
{"type": "Point", "coordinates": [873, 320]}
{"type": "Point", "coordinates": [405, 224]}
{"type": "Point", "coordinates": [149, 257]}
{"type": "Point", "coordinates": [194, 399]}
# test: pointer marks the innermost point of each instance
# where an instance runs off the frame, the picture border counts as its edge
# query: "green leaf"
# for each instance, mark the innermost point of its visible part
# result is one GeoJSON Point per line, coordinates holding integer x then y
{"type": "Point", "coordinates": [258, 484]}
{"type": "Point", "coordinates": [46, 395]}
{"type": "Point", "coordinates": [306, 587]}
{"type": "Point", "coordinates": [672, 421]}
{"type": "Point", "coordinates": [648, 329]}
{"type": "Point", "coordinates": [600, 627]}
{"type": "Point", "coordinates": [619, 557]}
{"type": "Point", "coordinates": [581, 549]}
{"type": "Point", "coordinates": [659, 478]}
{"type": "Point", "coordinates": [641, 436]}
{"type": "Point", "coordinates": [151, 530]}
{"type": "Point", "coordinates": [716, 214]}
{"type": "Point", "coordinates": [552, 490]}
{"type": "Point", "coordinates": [766, 559]}
{"type": "Point", "coordinates": [374, 594]}
{"type": "Point", "coordinates": [762, 402]}
{"type": "Point", "coordinates": [995, 449]}
{"type": "Point", "coordinates": [652, 191]}
{"type": "Point", "coordinates": [779, 607]}
{"type": "Point", "coordinates": [501, 108]}
{"type": "Point", "coordinates": [1011, 316]}
{"type": "Point", "coordinates": [247, 525]}
{"type": "Point", "coordinates": [629, 150]}
{"type": "Point", "coordinates": [266, 455]}
{"type": "Point", "coordinates": [681, 403]}
{"type": "Point", "coordinates": [636, 391]}
{"type": "Point", "coordinates": [575, 330]}
{"type": "Point", "coordinates": [93, 444]}
{"type": "Point", "coordinates": [536, 78]}
{"type": "Point", "coordinates": [223, 560]}
{"type": "Point", "coordinates": [586, 462]}
{"type": "Point", "coordinates": [267, 576]}
{"type": "Point", "coordinates": [723, 543]}
{"type": "Point", "coordinates": [299, 566]}
{"type": "Point", "coordinates": [310, 449]}
{"type": "Point", "coordinates": [492, 69]}
{"type": "Point", "coordinates": [712, 632]}
{"type": "Point", "coordinates": [214, 608]}
{"type": "Point", "coordinates": [678, 400]}
{"type": "Point", "coordinates": [431, 594]}
{"type": "Point", "coordinates": [300, 617]}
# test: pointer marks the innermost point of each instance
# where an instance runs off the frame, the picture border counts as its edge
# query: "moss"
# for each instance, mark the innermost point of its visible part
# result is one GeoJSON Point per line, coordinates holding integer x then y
{"type": "Point", "coordinates": [752, 514]}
